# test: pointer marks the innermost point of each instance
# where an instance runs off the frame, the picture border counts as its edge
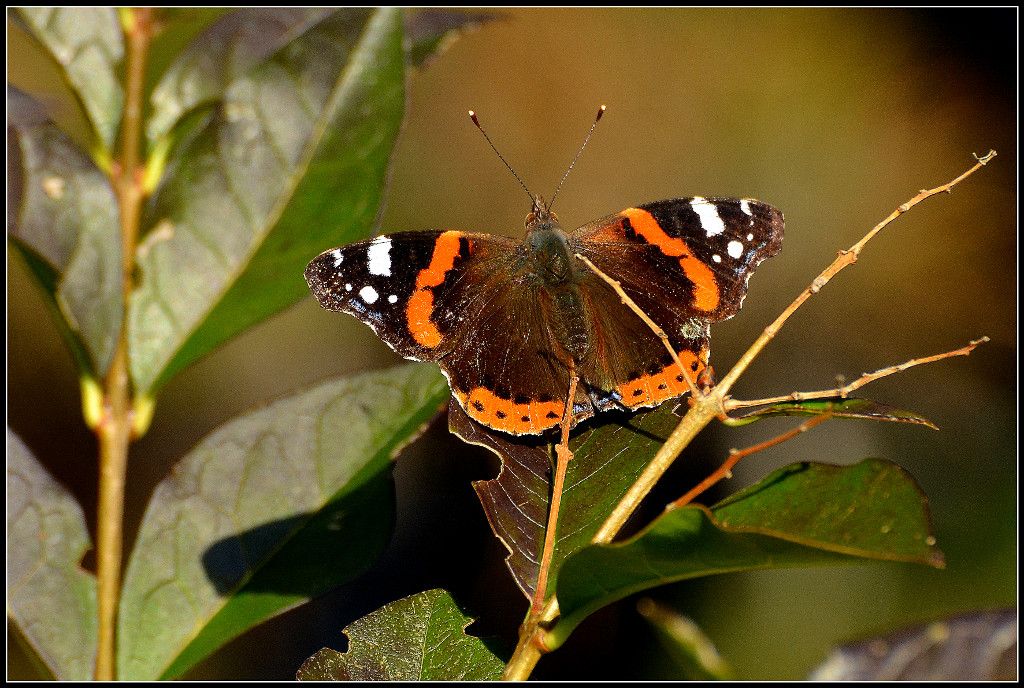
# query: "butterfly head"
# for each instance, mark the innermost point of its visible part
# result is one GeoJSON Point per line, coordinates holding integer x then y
{"type": "Point", "coordinates": [540, 216]}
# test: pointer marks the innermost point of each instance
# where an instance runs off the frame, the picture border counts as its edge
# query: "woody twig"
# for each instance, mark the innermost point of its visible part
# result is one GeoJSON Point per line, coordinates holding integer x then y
{"type": "Point", "coordinates": [845, 391]}
{"type": "Point", "coordinates": [725, 470]}
{"type": "Point", "coordinates": [710, 404]}
{"type": "Point", "coordinates": [844, 259]}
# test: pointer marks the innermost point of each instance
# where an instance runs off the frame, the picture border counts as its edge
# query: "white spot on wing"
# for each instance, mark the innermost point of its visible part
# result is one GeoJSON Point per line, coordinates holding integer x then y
{"type": "Point", "coordinates": [745, 206]}
{"type": "Point", "coordinates": [368, 294]}
{"type": "Point", "coordinates": [735, 249]}
{"type": "Point", "coordinates": [750, 237]}
{"type": "Point", "coordinates": [378, 257]}
{"type": "Point", "coordinates": [717, 258]}
{"type": "Point", "coordinates": [392, 299]}
{"type": "Point", "coordinates": [348, 287]}
{"type": "Point", "coordinates": [337, 257]}
{"type": "Point", "coordinates": [709, 218]}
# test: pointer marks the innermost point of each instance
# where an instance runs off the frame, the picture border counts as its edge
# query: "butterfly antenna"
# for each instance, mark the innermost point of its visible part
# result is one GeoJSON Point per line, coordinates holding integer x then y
{"type": "Point", "coordinates": [592, 127]}
{"type": "Point", "coordinates": [472, 116]}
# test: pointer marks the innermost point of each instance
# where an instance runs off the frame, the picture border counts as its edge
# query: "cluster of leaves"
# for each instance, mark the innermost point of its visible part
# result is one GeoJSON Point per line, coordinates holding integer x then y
{"type": "Point", "coordinates": [267, 138]}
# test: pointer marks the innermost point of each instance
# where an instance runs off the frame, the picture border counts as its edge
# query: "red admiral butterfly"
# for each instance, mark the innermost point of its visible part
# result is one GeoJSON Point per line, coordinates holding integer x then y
{"type": "Point", "coordinates": [506, 319]}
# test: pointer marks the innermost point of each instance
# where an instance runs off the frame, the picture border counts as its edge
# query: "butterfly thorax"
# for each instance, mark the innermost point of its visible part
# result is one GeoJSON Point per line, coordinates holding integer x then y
{"type": "Point", "coordinates": [556, 274]}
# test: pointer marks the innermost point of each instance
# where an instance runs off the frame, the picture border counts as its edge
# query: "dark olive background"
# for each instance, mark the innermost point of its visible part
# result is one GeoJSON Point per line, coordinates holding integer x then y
{"type": "Point", "coordinates": [835, 117]}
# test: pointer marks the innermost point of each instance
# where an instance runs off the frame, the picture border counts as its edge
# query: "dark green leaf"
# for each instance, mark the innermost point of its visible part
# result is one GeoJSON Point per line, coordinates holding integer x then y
{"type": "Point", "coordinates": [50, 598]}
{"type": "Point", "coordinates": [62, 217]}
{"type": "Point", "coordinates": [419, 638]}
{"type": "Point", "coordinates": [802, 515]}
{"type": "Point", "coordinates": [979, 646]}
{"type": "Point", "coordinates": [607, 461]}
{"type": "Point", "coordinates": [294, 161]}
{"type": "Point", "coordinates": [88, 44]}
{"type": "Point", "coordinates": [271, 509]}
{"type": "Point", "coordinates": [864, 409]}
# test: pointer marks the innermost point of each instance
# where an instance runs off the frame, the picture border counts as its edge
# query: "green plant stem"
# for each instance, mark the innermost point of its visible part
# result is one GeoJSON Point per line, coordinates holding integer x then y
{"type": "Point", "coordinates": [115, 429]}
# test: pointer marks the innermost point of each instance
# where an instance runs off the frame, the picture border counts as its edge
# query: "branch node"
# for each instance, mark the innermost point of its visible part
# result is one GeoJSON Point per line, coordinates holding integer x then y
{"type": "Point", "coordinates": [983, 160]}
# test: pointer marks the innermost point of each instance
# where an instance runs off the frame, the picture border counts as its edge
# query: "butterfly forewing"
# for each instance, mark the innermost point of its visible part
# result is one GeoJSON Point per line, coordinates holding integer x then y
{"type": "Point", "coordinates": [699, 251]}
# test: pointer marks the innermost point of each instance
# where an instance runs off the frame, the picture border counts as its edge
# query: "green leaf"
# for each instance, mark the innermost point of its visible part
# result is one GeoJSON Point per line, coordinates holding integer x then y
{"type": "Point", "coordinates": [419, 638]}
{"type": "Point", "coordinates": [177, 27]}
{"type": "Point", "coordinates": [88, 44]}
{"type": "Point", "coordinates": [50, 598]}
{"type": "Point", "coordinates": [234, 44]}
{"type": "Point", "coordinates": [607, 460]}
{"type": "Point", "coordinates": [863, 409]}
{"type": "Point", "coordinates": [293, 161]}
{"type": "Point", "coordinates": [62, 218]}
{"type": "Point", "coordinates": [802, 515]}
{"type": "Point", "coordinates": [274, 507]}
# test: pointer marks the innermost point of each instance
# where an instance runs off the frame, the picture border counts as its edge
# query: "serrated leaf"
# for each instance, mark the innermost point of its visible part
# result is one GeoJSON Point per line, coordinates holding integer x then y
{"type": "Point", "coordinates": [62, 217]}
{"type": "Point", "coordinates": [50, 598]}
{"type": "Point", "coordinates": [802, 515]}
{"type": "Point", "coordinates": [88, 44]}
{"type": "Point", "coordinates": [979, 646]}
{"type": "Point", "coordinates": [607, 460]}
{"type": "Point", "coordinates": [229, 48]}
{"type": "Point", "coordinates": [294, 160]}
{"type": "Point", "coordinates": [864, 409]}
{"type": "Point", "coordinates": [274, 507]}
{"type": "Point", "coordinates": [419, 638]}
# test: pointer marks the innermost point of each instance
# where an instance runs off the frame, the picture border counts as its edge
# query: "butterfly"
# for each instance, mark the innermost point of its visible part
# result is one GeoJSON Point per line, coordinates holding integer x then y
{"type": "Point", "coordinates": [510, 321]}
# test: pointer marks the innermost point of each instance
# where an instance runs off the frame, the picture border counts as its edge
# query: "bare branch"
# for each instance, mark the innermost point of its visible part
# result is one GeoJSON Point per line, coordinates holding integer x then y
{"type": "Point", "coordinates": [846, 390]}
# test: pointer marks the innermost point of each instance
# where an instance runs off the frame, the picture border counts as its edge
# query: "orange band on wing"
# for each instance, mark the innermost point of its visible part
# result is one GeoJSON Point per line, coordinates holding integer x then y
{"type": "Point", "coordinates": [491, 410]}
{"type": "Point", "coordinates": [421, 304]}
{"type": "Point", "coordinates": [705, 294]}
{"type": "Point", "coordinates": [650, 390]}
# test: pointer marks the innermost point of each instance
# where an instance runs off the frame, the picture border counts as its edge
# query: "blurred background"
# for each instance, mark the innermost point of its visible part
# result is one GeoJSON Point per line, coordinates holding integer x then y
{"type": "Point", "coordinates": [836, 117]}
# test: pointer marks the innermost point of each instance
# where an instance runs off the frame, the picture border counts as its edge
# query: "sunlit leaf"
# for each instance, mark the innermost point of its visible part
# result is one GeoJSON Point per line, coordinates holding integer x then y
{"type": "Point", "coordinates": [419, 638]}
{"type": "Point", "coordinates": [802, 515]}
{"type": "Point", "coordinates": [62, 217]}
{"type": "Point", "coordinates": [229, 48]}
{"type": "Point", "coordinates": [50, 598]}
{"type": "Point", "coordinates": [274, 507]}
{"type": "Point", "coordinates": [293, 161]}
{"type": "Point", "coordinates": [88, 44]}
